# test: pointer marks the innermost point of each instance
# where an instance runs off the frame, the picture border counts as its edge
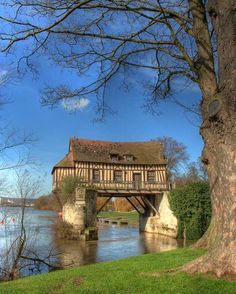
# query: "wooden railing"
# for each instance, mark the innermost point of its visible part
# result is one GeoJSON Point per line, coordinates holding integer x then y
{"type": "Point", "coordinates": [111, 185]}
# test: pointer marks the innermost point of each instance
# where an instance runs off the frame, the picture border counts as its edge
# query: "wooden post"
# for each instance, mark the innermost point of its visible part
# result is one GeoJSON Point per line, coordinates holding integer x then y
{"type": "Point", "coordinates": [133, 205]}
{"type": "Point", "coordinates": [103, 205]}
{"type": "Point", "coordinates": [150, 205]}
{"type": "Point", "coordinates": [140, 203]}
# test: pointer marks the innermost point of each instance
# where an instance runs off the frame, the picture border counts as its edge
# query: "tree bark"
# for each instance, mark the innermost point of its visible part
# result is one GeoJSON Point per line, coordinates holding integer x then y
{"type": "Point", "coordinates": [219, 134]}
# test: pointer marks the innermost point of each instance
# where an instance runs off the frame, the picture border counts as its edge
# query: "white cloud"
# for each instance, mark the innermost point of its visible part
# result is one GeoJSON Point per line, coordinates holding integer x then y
{"type": "Point", "coordinates": [3, 72]}
{"type": "Point", "coordinates": [73, 105]}
{"type": "Point", "coordinates": [4, 76]}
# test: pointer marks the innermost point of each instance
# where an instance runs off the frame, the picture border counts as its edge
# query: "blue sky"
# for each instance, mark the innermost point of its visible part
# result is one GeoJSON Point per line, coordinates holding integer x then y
{"type": "Point", "coordinates": [53, 128]}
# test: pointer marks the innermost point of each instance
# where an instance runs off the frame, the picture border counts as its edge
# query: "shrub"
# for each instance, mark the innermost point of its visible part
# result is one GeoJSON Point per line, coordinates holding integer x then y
{"type": "Point", "coordinates": [67, 190]}
{"type": "Point", "coordinates": [191, 204]}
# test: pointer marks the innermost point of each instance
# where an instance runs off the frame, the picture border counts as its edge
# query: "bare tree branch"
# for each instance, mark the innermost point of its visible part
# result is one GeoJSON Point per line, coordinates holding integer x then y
{"type": "Point", "coordinates": [89, 36]}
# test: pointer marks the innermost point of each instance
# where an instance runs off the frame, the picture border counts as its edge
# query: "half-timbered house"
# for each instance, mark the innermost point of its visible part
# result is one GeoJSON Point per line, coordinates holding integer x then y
{"type": "Point", "coordinates": [134, 170]}
{"type": "Point", "coordinates": [114, 167]}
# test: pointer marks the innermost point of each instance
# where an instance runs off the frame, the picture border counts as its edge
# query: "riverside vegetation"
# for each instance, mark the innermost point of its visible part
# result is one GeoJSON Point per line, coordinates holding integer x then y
{"type": "Point", "coordinates": [191, 204]}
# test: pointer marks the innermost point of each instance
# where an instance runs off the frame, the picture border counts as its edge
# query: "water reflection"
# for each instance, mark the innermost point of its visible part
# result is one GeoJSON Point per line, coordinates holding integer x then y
{"type": "Point", "coordinates": [114, 241]}
{"type": "Point", "coordinates": [157, 243]}
{"type": "Point", "coordinates": [38, 242]}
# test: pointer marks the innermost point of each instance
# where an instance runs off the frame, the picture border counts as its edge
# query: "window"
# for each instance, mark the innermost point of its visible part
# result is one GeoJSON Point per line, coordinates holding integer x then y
{"type": "Point", "coordinates": [151, 177]}
{"type": "Point", "coordinates": [118, 176]}
{"type": "Point", "coordinates": [129, 157]}
{"type": "Point", "coordinates": [96, 175]}
{"type": "Point", "coordinates": [114, 157]}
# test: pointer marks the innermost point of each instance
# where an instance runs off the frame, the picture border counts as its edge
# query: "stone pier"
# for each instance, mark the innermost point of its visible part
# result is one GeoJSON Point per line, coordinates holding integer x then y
{"type": "Point", "coordinates": [162, 221]}
{"type": "Point", "coordinates": [81, 215]}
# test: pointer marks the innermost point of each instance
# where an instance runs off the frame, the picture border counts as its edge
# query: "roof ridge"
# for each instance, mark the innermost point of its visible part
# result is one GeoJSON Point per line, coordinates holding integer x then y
{"type": "Point", "coordinates": [120, 142]}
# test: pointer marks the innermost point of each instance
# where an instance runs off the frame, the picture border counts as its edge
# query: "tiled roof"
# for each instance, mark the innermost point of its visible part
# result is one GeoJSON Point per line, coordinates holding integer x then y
{"type": "Point", "coordinates": [99, 151]}
{"type": "Point", "coordinates": [67, 161]}
{"type": "Point", "coordinates": [150, 152]}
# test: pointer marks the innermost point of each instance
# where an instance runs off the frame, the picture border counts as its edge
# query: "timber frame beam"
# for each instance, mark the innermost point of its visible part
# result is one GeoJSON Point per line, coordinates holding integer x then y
{"type": "Point", "coordinates": [140, 203]}
{"type": "Point", "coordinates": [103, 205]}
{"type": "Point", "coordinates": [127, 198]}
{"type": "Point", "coordinates": [145, 200]}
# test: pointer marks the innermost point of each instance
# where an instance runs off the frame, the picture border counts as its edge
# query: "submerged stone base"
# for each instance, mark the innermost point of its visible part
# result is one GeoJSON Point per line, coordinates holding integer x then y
{"type": "Point", "coordinates": [165, 223]}
{"type": "Point", "coordinates": [153, 224]}
{"type": "Point", "coordinates": [80, 217]}
{"type": "Point", "coordinates": [66, 231]}
{"type": "Point", "coordinates": [69, 232]}
{"type": "Point", "coordinates": [91, 234]}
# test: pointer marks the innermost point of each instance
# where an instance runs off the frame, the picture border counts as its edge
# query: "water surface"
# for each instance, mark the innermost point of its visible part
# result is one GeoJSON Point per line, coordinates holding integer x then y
{"type": "Point", "coordinates": [114, 242]}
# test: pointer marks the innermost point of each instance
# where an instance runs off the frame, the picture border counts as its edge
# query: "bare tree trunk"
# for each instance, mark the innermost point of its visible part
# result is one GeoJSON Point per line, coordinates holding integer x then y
{"type": "Point", "coordinates": [20, 247]}
{"type": "Point", "coordinates": [219, 134]}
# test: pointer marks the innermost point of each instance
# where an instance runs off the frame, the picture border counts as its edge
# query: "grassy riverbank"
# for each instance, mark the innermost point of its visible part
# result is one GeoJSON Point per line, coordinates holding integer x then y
{"type": "Point", "coordinates": [131, 216]}
{"type": "Point", "coordinates": [142, 274]}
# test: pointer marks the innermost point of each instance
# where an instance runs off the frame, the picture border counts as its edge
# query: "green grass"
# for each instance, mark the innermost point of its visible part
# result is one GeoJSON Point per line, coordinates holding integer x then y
{"type": "Point", "coordinates": [125, 276]}
{"type": "Point", "coordinates": [132, 216]}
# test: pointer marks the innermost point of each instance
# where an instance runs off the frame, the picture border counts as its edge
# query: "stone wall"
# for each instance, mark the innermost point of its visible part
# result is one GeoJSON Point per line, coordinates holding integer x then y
{"type": "Point", "coordinates": [73, 214]}
{"type": "Point", "coordinates": [90, 208]}
{"type": "Point", "coordinates": [81, 215]}
{"type": "Point", "coordinates": [165, 223]}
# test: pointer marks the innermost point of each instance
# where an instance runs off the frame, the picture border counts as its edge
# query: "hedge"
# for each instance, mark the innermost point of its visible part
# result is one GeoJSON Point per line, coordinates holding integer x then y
{"type": "Point", "coordinates": [191, 204]}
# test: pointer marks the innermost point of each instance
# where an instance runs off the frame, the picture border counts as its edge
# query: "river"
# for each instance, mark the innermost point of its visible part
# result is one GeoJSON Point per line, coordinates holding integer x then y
{"type": "Point", "coordinates": [114, 241]}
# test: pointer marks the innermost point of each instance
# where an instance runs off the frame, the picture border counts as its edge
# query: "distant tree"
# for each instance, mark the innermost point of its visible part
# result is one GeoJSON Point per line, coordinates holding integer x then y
{"type": "Point", "coordinates": [196, 172]}
{"type": "Point", "coordinates": [176, 155]}
{"type": "Point", "coordinates": [122, 205]}
{"type": "Point", "coordinates": [47, 202]}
